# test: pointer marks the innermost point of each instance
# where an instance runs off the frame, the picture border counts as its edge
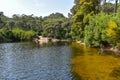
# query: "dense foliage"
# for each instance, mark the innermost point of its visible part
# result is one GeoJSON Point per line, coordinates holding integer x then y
{"type": "Point", "coordinates": [16, 35]}
{"type": "Point", "coordinates": [24, 27]}
{"type": "Point", "coordinates": [81, 18]}
{"type": "Point", "coordinates": [96, 23]}
{"type": "Point", "coordinates": [103, 29]}
{"type": "Point", "coordinates": [95, 32]}
{"type": "Point", "coordinates": [56, 26]}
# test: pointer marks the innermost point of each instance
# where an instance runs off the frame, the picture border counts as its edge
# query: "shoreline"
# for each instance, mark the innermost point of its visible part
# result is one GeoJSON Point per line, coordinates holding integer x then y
{"type": "Point", "coordinates": [115, 49]}
{"type": "Point", "coordinates": [42, 40]}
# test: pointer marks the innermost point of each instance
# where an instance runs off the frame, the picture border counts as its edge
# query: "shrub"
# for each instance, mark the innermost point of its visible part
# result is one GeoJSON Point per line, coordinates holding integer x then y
{"type": "Point", "coordinates": [95, 32]}
{"type": "Point", "coordinates": [5, 35]}
{"type": "Point", "coordinates": [21, 35]}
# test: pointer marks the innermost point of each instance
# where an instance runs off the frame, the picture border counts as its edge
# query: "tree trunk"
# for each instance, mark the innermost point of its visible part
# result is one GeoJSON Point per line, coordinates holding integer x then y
{"type": "Point", "coordinates": [116, 5]}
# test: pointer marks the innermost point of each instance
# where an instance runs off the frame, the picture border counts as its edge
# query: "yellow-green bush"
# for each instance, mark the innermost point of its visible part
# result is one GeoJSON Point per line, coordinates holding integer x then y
{"type": "Point", "coordinates": [22, 35]}
{"type": "Point", "coordinates": [16, 35]}
{"type": "Point", "coordinates": [102, 29]}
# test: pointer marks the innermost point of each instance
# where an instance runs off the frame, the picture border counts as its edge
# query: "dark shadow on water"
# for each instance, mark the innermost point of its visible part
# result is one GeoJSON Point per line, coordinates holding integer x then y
{"type": "Point", "coordinates": [76, 76]}
{"type": "Point", "coordinates": [106, 53]}
{"type": "Point", "coordinates": [116, 73]}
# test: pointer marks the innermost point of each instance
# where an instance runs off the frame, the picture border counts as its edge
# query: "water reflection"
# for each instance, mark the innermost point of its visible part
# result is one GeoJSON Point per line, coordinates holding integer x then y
{"type": "Point", "coordinates": [26, 61]}
{"type": "Point", "coordinates": [56, 61]}
{"type": "Point", "coordinates": [92, 66]}
{"type": "Point", "coordinates": [115, 74]}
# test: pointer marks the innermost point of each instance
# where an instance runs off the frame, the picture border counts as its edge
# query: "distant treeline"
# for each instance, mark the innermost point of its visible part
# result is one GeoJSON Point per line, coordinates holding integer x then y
{"type": "Point", "coordinates": [24, 27]}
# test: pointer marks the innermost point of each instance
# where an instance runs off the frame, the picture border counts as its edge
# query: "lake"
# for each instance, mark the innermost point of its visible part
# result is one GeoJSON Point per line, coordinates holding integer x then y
{"type": "Point", "coordinates": [56, 61]}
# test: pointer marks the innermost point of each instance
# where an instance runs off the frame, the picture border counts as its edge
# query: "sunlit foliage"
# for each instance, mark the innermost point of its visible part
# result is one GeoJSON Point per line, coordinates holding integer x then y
{"type": "Point", "coordinates": [81, 18]}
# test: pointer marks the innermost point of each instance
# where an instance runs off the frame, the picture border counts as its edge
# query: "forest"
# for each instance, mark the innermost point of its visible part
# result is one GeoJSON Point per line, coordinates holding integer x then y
{"type": "Point", "coordinates": [26, 27]}
{"type": "Point", "coordinates": [94, 22]}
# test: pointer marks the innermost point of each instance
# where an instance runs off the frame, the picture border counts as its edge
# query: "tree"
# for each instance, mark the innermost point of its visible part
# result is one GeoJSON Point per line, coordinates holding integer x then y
{"type": "Point", "coordinates": [108, 7]}
{"type": "Point", "coordinates": [56, 25]}
{"type": "Point", "coordinates": [95, 31]}
{"type": "Point", "coordinates": [76, 7]}
{"type": "Point", "coordinates": [10, 24]}
{"type": "Point", "coordinates": [55, 15]}
{"type": "Point", "coordinates": [2, 23]}
{"type": "Point", "coordinates": [81, 18]}
{"type": "Point", "coordinates": [1, 14]}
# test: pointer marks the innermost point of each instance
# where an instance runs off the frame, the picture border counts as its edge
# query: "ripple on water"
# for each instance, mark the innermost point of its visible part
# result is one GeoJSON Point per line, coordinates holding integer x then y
{"type": "Point", "coordinates": [20, 61]}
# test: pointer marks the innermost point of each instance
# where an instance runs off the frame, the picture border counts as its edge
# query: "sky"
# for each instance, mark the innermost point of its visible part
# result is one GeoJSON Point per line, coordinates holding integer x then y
{"type": "Point", "coordinates": [35, 7]}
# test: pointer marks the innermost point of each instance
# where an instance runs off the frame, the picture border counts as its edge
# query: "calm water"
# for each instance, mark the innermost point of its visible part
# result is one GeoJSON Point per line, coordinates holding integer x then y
{"type": "Point", "coordinates": [30, 61]}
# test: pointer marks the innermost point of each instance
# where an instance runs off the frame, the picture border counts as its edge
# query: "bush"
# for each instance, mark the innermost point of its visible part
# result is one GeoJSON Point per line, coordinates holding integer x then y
{"type": "Point", "coordinates": [21, 35]}
{"type": "Point", "coordinates": [95, 32]}
{"type": "Point", "coordinates": [103, 29]}
{"type": "Point", "coordinates": [5, 35]}
{"type": "Point", "coordinates": [29, 35]}
{"type": "Point", "coordinates": [16, 35]}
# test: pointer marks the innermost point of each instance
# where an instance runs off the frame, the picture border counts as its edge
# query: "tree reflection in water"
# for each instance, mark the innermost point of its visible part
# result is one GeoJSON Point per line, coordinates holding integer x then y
{"type": "Point", "coordinates": [115, 74]}
{"type": "Point", "coordinates": [92, 66]}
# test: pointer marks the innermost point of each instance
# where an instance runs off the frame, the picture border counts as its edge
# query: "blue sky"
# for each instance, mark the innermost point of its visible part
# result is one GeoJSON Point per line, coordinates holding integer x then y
{"type": "Point", "coordinates": [36, 7]}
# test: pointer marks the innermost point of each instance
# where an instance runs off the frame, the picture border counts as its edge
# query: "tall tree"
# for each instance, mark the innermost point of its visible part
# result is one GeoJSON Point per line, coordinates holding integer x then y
{"type": "Point", "coordinates": [76, 7]}
{"type": "Point", "coordinates": [81, 18]}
